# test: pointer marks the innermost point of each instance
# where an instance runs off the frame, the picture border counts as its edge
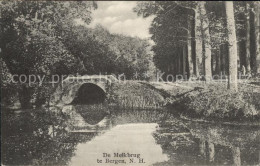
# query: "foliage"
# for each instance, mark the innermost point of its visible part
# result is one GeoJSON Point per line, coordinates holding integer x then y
{"type": "Point", "coordinates": [106, 53]}
{"type": "Point", "coordinates": [132, 94]}
{"type": "Point", "coordinates": [30, 39]}
{"type": "Point", "coordinates": [95, 56]}
{"type": "Point", "coordinates": [169, 29]}
{"type": "Point", "coordinates": [8, 89]}
{"type": "Point", "coordinates": [44, 39]}
{"type": "Point", "coordinates": [30, 34]}
{"type": "Point", "coordinates": [213, 101]}
{"type": "Point", "coordinates": [130, 54]}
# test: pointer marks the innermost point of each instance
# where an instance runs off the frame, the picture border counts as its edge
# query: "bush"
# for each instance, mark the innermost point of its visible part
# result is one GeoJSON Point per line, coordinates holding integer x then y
{"type": "Point", "coordinates": [131, 94]}
{"type": "Point", "coordinates": [219, 103]}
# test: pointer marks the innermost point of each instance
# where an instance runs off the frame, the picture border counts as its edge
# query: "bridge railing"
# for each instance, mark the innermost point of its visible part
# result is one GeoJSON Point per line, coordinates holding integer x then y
{"type": "Point", "coordinates": [93, 78]}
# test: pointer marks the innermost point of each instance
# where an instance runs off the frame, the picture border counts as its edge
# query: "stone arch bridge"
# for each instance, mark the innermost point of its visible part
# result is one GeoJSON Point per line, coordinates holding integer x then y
{"type": "Point", "coordinates": [82, 89]}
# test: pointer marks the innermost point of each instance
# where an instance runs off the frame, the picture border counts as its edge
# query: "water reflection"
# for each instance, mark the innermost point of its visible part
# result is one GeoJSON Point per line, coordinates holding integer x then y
{"type": "Point", "coordinates": [87, 118]}
{"type": "Point", "coordinates": [210, 144]}
{"type": "Point", "coordinates": [35, 138]}
{"type": "Point", "coordinates": [128, 138]}
{"type": "Point", "coordinates": [79, 135]}
{"type": "Point", "coordinates": [238, 145]}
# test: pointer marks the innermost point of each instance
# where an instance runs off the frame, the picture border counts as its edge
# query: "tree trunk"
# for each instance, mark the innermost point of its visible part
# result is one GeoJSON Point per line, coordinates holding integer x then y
{"type": "Point", "coordinates": [226, 47]}
{"type": "Point", "coordinates": [184, 61]}
{"type": "Point", "coordinates": [193, 46]}
{"type": "Point", "coordinates": [232, 39]}
{"type": "Point", "coordinates": [218, 61]}
{"type": "Point", "coordinates": [211, 148]}
{"type": "Point", "coordinates": [206, 38]}
{"type": "Point", "coordinates": [239, 57]}
{"type": "Point", "coordinates": [236, 155]}
{"type": "Point", "coordinates": [248, 69]}
{"type": "Point", "coordinates": [222, 59]}
{"type": "Point", "coordinates": [202, 147]}
{"type": "Point", "coordinates": [213, 63]}
{"type": "Point", "coordinates": [189, 53]}
{"type": "Point", "coordinates": [199, 66]}
{"type": "Point", "coordinates": [175, 66]}
{"type": "Point", "coordinates": [191, 65]}
{"type": "Point", "coordinates": [257, 35]}
{"type": "Point", "coordinates": [179, 61]}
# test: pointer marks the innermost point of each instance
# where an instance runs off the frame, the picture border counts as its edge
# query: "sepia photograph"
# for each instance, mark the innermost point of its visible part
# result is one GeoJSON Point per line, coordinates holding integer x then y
{"type": "Point", "coordinates": [130, 83]}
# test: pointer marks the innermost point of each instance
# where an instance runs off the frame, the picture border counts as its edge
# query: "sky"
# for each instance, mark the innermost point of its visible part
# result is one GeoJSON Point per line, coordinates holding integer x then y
{"type": "Point", "coordinates": [118, 17]}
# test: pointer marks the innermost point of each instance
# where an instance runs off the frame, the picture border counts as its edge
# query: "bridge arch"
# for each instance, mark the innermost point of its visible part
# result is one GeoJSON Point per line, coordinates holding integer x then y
{"type": "Point", "coordinates": [78, 89]}
{"type": "Point", "coordinates": [89, 93]}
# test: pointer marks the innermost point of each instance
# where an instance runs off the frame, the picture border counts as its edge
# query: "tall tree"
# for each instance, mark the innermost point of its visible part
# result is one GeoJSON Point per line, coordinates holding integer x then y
{"type": "Point", "coordinates": [169, 36]}
{"type": "Point", "coordinates": [257, 35]}
{"type": "Point", "coordinates": [248, 57]}
{"type": "Point", "coordinates": [206, 40]}
{"type": "Point", "coordinates": [198, 42]}
{"type": "Point", "coordinates": [232, 41]}
{"type": "Point", "coordinates": [189, 53]}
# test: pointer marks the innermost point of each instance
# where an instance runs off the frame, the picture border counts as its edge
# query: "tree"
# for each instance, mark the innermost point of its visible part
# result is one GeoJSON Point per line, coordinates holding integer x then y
{"type": "Point", "coordinates": [206, 40]}
{"type": "Point", "coordinates": [257, 35]}
{"type": "Point", "coordinates": [232, 39]}
{"type": "Point", "coordinates": [30, 38]}
{"type": "Point", "coordinates": [189, 45]}
{"type": "Point", "coordinates": [168, 36]}
{"type": "Point", "coordinates": [198, 38]}
{"type": "Point", "coordinates": [247, 41]}
{"type": "Point", "coordinates": [180, 31]}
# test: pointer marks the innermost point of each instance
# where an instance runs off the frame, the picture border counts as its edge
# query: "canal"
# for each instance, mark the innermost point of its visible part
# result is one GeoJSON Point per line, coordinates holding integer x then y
{"type": "Point", "coordinates": [95, 135]}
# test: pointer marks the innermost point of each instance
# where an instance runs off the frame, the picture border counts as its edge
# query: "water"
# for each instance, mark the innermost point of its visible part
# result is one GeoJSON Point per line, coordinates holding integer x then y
{"type": "Point", "coordinates": [85, 135]}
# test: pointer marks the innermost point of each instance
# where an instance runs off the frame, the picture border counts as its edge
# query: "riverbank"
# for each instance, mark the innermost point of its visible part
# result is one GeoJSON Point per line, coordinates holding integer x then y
{"type": "Point", "coordinates": [193, 100]}
{"type": "Point", "coordinates": [212, 101]}
{"type": "Point", "coordinates": [135, 95]}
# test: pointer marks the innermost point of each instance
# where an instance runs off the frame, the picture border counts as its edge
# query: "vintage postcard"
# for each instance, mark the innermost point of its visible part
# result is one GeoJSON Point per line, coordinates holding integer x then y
{"type": "Point", "coordinates": [130, 83]}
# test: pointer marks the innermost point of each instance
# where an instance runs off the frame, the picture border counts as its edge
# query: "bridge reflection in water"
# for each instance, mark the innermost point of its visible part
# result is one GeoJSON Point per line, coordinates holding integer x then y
{"type": "Point", "coordinates": [77, 134]}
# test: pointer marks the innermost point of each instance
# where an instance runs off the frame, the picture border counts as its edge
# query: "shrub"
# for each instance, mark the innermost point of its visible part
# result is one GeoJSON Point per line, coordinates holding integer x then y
{"type": "Point", "coordinates": [131, 94]}
{"type": "Point", "coordinates": [217, 102]}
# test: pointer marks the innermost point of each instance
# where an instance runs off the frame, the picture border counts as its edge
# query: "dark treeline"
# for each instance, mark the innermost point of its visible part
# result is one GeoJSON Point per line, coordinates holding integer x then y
{"type": "Point", "coordinates": [192, 38]}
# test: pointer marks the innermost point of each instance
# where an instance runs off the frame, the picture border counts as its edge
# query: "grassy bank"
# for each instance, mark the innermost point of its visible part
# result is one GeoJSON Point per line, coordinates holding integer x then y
{"type": "Point", "coordinates": [132, 94]}
{"type": "Point", "coordinates": [214, 102]}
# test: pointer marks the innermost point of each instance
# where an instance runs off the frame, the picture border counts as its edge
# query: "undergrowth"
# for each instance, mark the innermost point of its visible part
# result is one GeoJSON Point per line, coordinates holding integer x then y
{"type": "Point", "coordinates": [216, 102]}
{"type": "Point", "coordinates": [132, 94]}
